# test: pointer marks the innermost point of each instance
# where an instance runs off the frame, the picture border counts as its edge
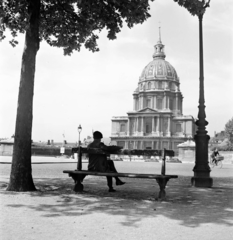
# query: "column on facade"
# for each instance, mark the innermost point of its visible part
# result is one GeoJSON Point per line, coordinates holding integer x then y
{"type": "Point", "coordinates": [153, 124]}
{"type": "Point", "coordinates": [168, 102]}
{"type": "Point", "coordinates": [142, 125]}
{"type": "Point", "coordinates": [164, 101]}
{"type": "Point", "coordinates": [161, 126]}
{"type": "Point", "coordinates": [169, 126]}
{"type": "Point", "coordinates": [135, 145]}
{"type": "Point", "coordinates": [185, 129]}
{"type": "Point", "coordinates": [143, 100]}
{"type": "Point", "coordinates": [177, 104]}
{"type": "Point", "coordinates": [142, 145]}
{"type": "Point", "coordinates": [140, 103]}
{"type": "Point", "coordinates": [155, 102]}
{"type": "Point", "coordinates": [181, 105]}
{"type": "Point", "coordinates": [139, 126]}
{"type": "Point", "coordinates": [133, 123]}
{"type": "Point", "coordinates": [152, 102]}
{"type": "Point", "coordinates": [136, 125]}
{"type": "Point", "coordinates": [129, 123]}
{"type": "Point", "coordinates": [158, 126]}
{"type": "Point", "coordinates": [152, 144]}
{"type": "Point", "coordinates": [139, 122]}
{"type": "Point", "coordinates": [134, 102]}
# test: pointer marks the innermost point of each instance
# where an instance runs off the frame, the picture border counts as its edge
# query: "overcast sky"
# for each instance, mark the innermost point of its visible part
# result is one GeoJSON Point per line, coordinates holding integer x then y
{"type": "Point", "coordinates": [89, 88]}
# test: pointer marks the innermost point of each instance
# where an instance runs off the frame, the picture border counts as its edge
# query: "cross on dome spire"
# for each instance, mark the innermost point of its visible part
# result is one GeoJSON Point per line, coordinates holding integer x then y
{"type": "Point", "coordinates": [160, 33]}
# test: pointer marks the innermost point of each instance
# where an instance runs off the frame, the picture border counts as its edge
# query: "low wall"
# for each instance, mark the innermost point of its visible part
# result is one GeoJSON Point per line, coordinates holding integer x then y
{"type": "Point", "coordinates": [50, 151]}
{"type": "Point", "coordinates": [7, 150]}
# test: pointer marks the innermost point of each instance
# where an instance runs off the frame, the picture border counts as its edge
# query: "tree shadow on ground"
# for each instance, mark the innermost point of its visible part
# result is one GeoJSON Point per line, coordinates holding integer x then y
{"type": "Point", "coordinates": [135, 200]}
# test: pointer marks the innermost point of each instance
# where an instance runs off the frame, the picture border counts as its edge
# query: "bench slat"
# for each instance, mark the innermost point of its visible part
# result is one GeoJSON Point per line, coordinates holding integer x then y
{"type": "Point", "coordinates": [137, 152]}
{"type": "Point", "coordinates": [129, 175]}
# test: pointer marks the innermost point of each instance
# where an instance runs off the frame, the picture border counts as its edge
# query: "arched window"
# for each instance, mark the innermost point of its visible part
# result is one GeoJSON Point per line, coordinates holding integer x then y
{"type": "Point", "coordinates": [160, 85]}
{"type": "Point", "coordinates": [170, 85]}
{"type": "Point", "coordinates": [148, 102]}
{"type": "Point", "coordinates": [149, 85]}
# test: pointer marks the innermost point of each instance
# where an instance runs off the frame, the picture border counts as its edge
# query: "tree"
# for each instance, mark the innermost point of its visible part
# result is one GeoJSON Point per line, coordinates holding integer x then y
{"type": "Point", "coordinates": [195, 7]}
{"type": "Point", "coordinates": [68, 24]}
{"type": "Point", "coordinates": [229, 130]}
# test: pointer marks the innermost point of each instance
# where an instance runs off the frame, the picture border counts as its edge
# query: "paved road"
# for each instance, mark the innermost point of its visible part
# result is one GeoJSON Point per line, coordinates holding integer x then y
{"type": "Point", "coordinates": [55, 169]}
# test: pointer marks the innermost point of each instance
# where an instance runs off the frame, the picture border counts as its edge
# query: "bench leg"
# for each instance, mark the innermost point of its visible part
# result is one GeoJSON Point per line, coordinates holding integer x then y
{"type": "Point", "coordinates": [162, 184]}
{"type": "Point", "coordinates": [78, 179]}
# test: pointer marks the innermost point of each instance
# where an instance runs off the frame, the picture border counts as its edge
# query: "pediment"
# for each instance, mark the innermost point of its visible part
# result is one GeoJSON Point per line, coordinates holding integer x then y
{"type": "Point", "coordinates": [148, 110]}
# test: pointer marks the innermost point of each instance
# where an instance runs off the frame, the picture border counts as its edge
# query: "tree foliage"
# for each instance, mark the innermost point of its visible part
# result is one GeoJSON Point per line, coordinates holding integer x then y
{"type": "Point", "coordinates": [229, 130]}
{"type": "Point", "coordinates": [195, 7]}
{"type": "Point", "coordinates": [69, 24]}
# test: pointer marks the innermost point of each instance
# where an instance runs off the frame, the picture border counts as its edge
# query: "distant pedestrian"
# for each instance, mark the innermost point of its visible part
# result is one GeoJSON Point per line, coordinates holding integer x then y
{"type": "Point", "coordinates": [214, 155]}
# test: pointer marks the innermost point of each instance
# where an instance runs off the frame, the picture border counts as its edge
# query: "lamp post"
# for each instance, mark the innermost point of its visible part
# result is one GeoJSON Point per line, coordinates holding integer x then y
{"type": "Point", "coordinates": [79, 149]}
{"type": "Point", "coordinates": [201, 169]}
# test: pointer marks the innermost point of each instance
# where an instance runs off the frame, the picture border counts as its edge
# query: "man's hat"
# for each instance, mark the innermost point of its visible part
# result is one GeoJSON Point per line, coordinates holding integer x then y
{"type": "Point", "coordinates": [97, 135]}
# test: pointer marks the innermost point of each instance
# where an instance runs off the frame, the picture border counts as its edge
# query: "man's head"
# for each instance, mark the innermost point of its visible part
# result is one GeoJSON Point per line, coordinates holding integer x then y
{"type": "Point", "coordinates": [97, 135]}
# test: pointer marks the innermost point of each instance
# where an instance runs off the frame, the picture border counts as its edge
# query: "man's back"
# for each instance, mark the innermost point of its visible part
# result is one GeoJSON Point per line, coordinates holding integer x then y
{"type": "Point", "coordinates": [97, 162]}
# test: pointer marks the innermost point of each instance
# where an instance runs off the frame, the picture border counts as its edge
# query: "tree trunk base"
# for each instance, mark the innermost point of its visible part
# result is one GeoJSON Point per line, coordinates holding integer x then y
{"type": "Point", "coordinates": [25, 185]}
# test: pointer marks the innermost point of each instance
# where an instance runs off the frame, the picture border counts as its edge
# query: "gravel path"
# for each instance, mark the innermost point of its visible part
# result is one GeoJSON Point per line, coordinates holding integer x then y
{"type": "Point", "coordinates": [56, 212]}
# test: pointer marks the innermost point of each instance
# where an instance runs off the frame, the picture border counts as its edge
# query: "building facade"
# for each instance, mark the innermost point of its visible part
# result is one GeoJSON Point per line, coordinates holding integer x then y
{"type": "Point", "coordinates": [157, 119]}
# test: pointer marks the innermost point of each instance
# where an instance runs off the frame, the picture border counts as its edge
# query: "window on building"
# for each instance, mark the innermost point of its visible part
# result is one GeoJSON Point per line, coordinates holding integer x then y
{"type": "Point", "coordinates": [148, 145]}
{"type": "Point", "coordinates": [148, 102]}
{"type": "Point", "coordinates": [160, 85]}
{"type": "Point", "coordinates": [149, 85]}
{"type": "Point", "coordinates": [170, 85]}
{"type": "Point", "coordinates": [178, 127]}
{"type": "Point", "coordinates": [171, 104]}
{"type": "Point", "coordinates": [121, 143]}
{"type": "Point", "coordinates": [122, 127]}
{"type": "Point", "coordinates": [159, 103]}
{"type": "Point", "coordinates": [165, 144]}
{"type": "Point", "coordinates": [148, 128]}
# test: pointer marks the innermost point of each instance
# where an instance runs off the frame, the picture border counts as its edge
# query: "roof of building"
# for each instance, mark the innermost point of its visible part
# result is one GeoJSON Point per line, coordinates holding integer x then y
{"type": "Point", "coordinates": [159, 68]}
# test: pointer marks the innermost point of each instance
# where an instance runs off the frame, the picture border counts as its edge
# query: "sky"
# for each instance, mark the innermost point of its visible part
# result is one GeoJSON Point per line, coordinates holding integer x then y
{"type": "Point", "coordinates": [90, 88]}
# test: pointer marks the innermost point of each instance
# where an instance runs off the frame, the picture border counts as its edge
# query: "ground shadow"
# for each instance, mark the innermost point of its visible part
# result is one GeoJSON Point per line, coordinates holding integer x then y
{"type": "Point", "coordinates": [135, 200]}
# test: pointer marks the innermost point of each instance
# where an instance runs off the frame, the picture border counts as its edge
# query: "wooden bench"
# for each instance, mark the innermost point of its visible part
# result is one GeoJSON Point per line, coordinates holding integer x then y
{"type": "Point", "coordinates": [162, 179]}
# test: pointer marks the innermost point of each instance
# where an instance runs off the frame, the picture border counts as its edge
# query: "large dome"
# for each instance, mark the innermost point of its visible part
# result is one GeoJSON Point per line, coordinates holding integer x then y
{"type": "Point", "coordinates": [159, 68]}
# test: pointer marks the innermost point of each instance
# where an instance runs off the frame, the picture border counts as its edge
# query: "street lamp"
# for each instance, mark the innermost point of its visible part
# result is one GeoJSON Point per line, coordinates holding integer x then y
{"type": "Point", "coordinates": [79, 131]}
{"type": "Point", "coordinates": [79, 149]}
{"type": "Point", "coordinates": [201, 169]}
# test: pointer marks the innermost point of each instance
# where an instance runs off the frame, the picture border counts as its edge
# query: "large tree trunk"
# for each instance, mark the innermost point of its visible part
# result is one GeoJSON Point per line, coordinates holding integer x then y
{"type": "Point", "coordinates": [21, 171]}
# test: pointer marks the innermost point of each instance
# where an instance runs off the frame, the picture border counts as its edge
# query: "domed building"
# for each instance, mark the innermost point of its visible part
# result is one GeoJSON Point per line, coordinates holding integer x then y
{"type": "Point", "coordinates": [157, 119]}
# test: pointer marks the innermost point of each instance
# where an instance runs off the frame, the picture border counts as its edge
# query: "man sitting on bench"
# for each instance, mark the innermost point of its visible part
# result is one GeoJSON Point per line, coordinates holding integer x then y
{"type": "Point", "coordinates": [100, 163]}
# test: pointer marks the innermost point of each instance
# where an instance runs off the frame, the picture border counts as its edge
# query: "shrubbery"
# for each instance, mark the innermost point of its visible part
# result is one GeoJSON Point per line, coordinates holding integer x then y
{"type": "Point", "coordinates": [228, 147]}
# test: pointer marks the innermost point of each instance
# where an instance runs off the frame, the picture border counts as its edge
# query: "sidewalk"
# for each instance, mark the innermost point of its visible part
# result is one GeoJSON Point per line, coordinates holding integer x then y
{"type": "Point", "coordinates": [56, 212]}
